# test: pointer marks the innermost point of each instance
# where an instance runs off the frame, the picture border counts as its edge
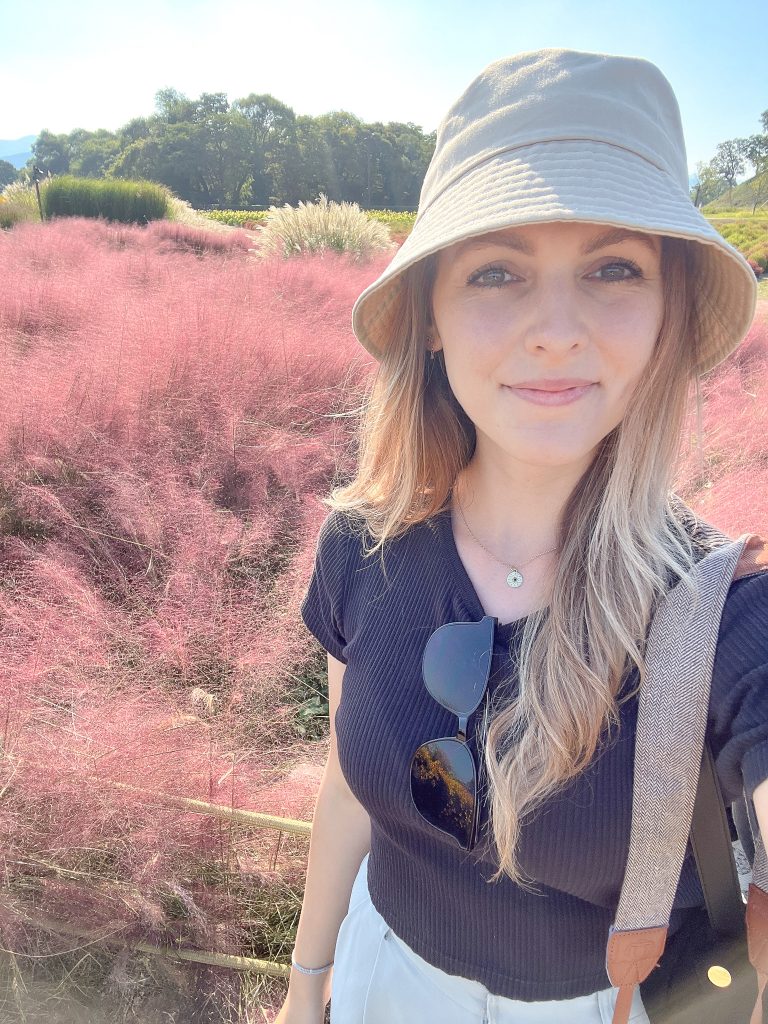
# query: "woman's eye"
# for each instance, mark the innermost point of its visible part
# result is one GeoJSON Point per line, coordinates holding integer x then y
{"type": "Point", "coordinates": [615, 271]}
{"type": "Point", "coordinates": [489, 277]}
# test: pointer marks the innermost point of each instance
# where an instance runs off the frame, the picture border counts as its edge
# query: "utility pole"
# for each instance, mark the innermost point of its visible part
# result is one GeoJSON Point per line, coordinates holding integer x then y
{"type": "Point", "coordinates": [37, 175]}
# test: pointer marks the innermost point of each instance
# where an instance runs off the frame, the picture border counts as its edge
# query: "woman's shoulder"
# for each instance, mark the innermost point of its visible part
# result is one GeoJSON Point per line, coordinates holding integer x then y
{"type": "Point", "coordinates": [738, 710]}
{"type": "Point", "coordinates": [705, 537]}
{"type": "Point", "coordinates": [746, 606]}
{"type": "Point", "coordinates": [347, 528]}
{"type": "Point", "coordinates": [742, 643]}
{"type": "Point", "coordinates": [339, 526]}
{"type": "Point", "coordinates": [754, 558]}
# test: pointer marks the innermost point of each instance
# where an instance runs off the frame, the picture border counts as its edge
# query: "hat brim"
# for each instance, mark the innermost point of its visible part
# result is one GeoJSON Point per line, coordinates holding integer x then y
{"type": "Point", "coordinates": [570, 180]}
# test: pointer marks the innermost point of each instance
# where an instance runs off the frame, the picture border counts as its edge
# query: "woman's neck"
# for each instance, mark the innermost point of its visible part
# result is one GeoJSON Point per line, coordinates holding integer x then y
{"type": "Point", "coordinates": [514, 511]}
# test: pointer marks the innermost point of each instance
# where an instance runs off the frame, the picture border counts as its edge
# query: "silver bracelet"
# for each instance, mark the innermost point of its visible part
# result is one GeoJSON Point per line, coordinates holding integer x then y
{"type": "Point", "coordinates": [311, 970]}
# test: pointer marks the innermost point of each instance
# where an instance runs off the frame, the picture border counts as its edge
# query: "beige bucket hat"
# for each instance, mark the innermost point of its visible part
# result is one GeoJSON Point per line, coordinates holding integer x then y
{"type": "Point", "coordinates": [559, 135]}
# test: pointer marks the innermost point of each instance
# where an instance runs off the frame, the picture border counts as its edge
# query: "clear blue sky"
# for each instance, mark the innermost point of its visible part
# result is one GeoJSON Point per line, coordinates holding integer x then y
{"type": "Point", "coordinates": [95, 65]}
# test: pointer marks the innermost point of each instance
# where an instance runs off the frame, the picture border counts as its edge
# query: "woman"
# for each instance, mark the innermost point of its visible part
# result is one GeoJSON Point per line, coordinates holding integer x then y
{"type": "Point", "coordinates": [511, 525]}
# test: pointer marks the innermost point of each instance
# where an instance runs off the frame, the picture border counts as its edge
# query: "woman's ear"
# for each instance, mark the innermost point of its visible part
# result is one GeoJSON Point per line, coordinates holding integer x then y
{"type": "Point", "coordinates": [433, 339]}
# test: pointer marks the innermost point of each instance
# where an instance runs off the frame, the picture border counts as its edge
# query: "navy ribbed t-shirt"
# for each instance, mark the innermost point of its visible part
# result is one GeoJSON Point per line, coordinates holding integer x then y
{"type": "Point", "coordinates": [548, 944]}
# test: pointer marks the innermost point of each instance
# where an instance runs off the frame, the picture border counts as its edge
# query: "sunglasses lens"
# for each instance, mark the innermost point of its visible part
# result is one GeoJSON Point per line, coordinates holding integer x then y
{"type": "Point", "coordinates": [456, 664]}
{"type": "Point", "coordinates": [444, 788]}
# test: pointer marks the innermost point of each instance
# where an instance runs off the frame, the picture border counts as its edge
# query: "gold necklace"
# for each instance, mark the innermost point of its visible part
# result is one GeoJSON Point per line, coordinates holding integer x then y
{"type": "Point", "coordinates": [515, 578]}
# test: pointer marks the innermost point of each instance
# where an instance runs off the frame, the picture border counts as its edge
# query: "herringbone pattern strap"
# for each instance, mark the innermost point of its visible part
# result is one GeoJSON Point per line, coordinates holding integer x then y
{"type": "Point", "coordinates": [673, 705]}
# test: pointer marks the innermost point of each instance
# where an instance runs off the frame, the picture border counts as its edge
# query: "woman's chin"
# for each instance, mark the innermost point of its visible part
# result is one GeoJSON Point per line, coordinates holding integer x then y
{"type": "Point", "coordinates": [554, 456]}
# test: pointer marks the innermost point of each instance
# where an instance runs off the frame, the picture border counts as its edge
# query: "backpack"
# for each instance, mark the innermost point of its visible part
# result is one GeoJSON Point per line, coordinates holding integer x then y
{"type": "Point", "coordinates": [710, 972]}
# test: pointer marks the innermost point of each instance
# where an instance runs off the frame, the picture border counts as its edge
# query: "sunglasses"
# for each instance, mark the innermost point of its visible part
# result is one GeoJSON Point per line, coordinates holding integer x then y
{"type": "Point", "coordinates": [456, 666]}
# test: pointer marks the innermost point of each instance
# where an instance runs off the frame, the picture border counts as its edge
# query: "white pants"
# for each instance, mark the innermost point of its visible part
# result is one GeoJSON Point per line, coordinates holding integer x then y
{"type": "Point", "coordinates": [378, 979]}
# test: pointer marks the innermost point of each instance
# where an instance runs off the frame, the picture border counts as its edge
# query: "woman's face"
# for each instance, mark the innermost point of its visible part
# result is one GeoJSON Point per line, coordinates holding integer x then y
{"type": "Point", "coordinates": [546, 330]}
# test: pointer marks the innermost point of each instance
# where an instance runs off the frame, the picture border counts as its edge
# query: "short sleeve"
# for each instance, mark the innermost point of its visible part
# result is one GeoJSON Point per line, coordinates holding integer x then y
{"type": "Point", "coordinates": [739, 697]}
{"type": "Point", "coordinates": [322, 607]}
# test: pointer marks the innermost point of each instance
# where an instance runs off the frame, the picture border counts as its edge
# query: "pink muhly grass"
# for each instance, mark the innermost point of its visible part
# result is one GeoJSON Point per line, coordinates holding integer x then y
{"type": "Point", "coordinates": [167, 424]}
{"type": "Point", "coordinates": [167, 236]}
{"type": "Point", "coordinates": [723, 475]}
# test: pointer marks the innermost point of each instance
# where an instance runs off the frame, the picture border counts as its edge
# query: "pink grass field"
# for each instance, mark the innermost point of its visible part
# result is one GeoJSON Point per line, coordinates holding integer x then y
{"type": "Point", "coordinates": [168, 421]}
{"type": "Point", "coordinates": [172, 411]}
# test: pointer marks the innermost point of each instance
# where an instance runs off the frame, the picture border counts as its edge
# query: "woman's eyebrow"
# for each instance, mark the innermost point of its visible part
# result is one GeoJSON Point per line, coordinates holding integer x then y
{"type": "Point", "coordinates": [619, 235]}
{"type": "Point", "coordinates": [610, 237]}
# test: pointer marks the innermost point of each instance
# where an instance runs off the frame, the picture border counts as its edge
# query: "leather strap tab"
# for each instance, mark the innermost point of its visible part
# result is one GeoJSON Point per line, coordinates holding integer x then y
{"type": "Point", "coordinates": [623, 1007]}
{"type": "Point", "coordinates": [632, 954]}
{"type": "Point", "coordinates": [630, 958]}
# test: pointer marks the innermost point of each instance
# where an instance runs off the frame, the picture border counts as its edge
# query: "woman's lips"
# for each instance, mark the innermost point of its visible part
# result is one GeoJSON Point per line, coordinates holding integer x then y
{"type": "Point", "coordinates": [538, 397]}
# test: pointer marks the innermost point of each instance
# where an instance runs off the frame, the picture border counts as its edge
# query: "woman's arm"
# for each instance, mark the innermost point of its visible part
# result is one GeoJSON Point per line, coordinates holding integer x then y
{"type": "Point", "coordinates": [341, 837]}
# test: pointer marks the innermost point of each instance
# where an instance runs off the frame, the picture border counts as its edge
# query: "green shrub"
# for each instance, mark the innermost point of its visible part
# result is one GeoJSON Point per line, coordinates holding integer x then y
{"type": "Point", "coordinates": [181, 212]}
{"type": "Point", "coordinates": [197, 239]}
{"type": "Point", "coordinates": [399, 223]}
{"type": "Point", "coordinates": [235, 218]}
{"type": "Point", "coordinates": [396, 220]}
{"type": "Point", "coordinates": [18, 202]}
{"type": "Point", "coordinates": [747, 234]}
{"type": "Point", "coordinates": [315, 227]}
{"type": "Point", "coordinates": [129, 202]}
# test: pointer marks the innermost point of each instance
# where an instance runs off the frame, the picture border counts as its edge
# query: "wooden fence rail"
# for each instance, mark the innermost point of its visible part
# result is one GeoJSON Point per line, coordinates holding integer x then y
{"type": "Point", "coordinates": [202, 956]}
{"type": "Point", "coordinates": [253, 819]}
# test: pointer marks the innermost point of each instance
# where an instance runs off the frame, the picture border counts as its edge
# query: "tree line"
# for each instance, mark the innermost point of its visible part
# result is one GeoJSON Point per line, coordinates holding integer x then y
{"type": "Point", "coordinates": [256, 152]}
{"type": "Point", "coordinates": [253, 152]}
{"type": "Point", "coordinates": [719, 175]}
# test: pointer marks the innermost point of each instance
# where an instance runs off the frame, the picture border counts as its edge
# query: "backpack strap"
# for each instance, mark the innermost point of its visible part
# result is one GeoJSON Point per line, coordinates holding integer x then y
{"type": "Point", "coordinates": [711, 840]}
{"type": "Point", "coordinates": [713, 853]}
{"type": "Point", "coordinates": [673, 704]}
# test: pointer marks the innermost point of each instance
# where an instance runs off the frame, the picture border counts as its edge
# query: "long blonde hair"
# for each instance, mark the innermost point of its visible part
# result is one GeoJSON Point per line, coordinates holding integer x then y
{"type": "Point", "coordinates": [621, 544]}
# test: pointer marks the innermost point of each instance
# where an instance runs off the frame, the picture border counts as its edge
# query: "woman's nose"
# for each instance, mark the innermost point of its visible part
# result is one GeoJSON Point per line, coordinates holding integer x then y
{"type": "Point", "coordinates": [556, 323]}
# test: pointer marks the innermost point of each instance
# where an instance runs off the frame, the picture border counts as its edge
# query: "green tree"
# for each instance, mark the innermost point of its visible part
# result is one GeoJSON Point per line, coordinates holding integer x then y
{"type": "Point", "coordinates": [256, 151]}
{"type": "Point", "coordinates": [710, 185]}
{"type": "Point", "coordinates": [173, 107]}
{"type": "Point", "coordinates": [138, 128]}
{"type": "Point", "coordinates": [209, 106]}
{"type": "Point", "coordinates": [206, 163]}
{"type": "Point", "coordinates": [93, 153]}
{"type": "Point", "coordinates": [409, 154]}
{"type": "Point", "coordinates": [51, 152]}
{"type": "Point", "coordinates": [274, 148]}
{"type": "Point", "coordinates": [728, 161]}
{"type": "Point", "coordinates": [755, 150]}
{"type": "Point", "coordinates": [345, 135]}
{"type": "Point", "coordinates": [314, 168]}
{"type": "Point", "coordinates": [8, 173]}
{"type": "Point", "coordinates": [169, 155]}
{"type": "Point", "coordinates": [224, 164]}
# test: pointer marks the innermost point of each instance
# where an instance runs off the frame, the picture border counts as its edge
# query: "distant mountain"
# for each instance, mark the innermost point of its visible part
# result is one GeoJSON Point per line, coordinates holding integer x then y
{"type": "Point", "coordinates": [17, 151]}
